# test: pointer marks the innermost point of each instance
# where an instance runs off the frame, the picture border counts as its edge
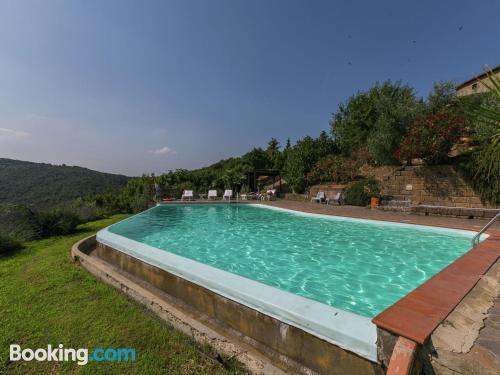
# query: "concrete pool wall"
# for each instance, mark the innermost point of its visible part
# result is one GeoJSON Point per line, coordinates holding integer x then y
{"type": "Point", "coordinates": [287, 346]}
{"type": "Point", "coordinates": [342, 328]}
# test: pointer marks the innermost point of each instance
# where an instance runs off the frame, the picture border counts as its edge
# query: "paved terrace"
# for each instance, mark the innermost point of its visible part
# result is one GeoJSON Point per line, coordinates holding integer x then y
{"type": "Point", "coordinates": [402, 217]}
{"type": "Point", "coordinates": [363, 213]}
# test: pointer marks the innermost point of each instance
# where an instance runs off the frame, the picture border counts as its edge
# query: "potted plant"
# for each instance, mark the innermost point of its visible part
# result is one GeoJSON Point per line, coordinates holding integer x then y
{"type": "Point", "coordinates": [372, 189]}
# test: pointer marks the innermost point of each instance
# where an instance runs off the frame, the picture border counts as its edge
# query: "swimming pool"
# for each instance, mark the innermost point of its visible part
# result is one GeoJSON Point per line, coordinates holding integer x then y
{"type": "Point", "coordinates": [356, 265]}
{"type": "Point", "coordinates": [328, 275]}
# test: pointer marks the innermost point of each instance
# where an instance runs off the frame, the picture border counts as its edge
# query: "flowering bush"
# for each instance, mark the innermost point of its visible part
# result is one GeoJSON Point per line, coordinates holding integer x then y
{"type": "Point", "coordinates": [333, 168]}
{"type": "Point", "coordinates": [431, 137]}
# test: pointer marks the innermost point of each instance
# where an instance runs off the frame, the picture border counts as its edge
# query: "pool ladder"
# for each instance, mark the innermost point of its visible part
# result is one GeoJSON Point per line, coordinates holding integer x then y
{"type": "Point", "coordinates": [476, 238]}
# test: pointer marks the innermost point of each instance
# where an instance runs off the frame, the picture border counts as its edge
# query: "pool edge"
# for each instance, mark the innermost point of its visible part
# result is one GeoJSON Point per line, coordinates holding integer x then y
{"type": "Point", "coordinates": [263, 298]}
{"type": "Point", "coordinates": [426, 306]}
{"type": "Point", "coordinates": [280, 348]}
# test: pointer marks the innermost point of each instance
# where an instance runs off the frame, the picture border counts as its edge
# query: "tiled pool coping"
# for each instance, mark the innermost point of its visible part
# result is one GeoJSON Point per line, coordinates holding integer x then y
{"type": "Point", "coordinates": [417, 315]}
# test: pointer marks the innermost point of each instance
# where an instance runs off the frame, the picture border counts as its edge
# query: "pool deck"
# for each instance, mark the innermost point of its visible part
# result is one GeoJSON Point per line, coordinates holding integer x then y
{"type": "Point", "coordinates": [364, 213]}
{"type": "Point", "coordinates": [400, 217]}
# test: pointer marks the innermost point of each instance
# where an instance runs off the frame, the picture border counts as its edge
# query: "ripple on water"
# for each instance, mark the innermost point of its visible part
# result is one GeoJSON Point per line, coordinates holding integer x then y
{"type": "Point", "coordinates": [357, 266]}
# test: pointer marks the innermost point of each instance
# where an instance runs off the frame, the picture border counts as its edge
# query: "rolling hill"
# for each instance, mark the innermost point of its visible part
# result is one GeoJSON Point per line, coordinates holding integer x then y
{"type": "Point", "coordinates": [23, 182]}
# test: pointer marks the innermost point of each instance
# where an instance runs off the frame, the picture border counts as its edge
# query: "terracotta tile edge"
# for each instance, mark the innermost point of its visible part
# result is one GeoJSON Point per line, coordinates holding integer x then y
{"type": "Point", "coordinates": [469, 280]}
{"type": "Point", "coordinates": [402, 357]}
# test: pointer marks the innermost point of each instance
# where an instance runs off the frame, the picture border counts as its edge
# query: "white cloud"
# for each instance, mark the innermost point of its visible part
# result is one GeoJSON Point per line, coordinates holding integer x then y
{"type": "Point", "coordinates": [8, 134]}
{"type": "Point", "coordinates": [163, 151]}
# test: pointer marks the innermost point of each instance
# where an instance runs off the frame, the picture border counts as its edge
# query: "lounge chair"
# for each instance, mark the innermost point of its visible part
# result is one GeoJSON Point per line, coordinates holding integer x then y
{"type": "Point", "coordinates": [187, 194]}
{"type": "Point", "coordinates": [271, 194]}
{"type": "Point", "coordinates": [212, 194]}
{"type": "Point", "coordinates": [319, 198]}
{"type": "Point", "coordinates": [253, 195]}
{"type": "Point", "coordinates": [228, 194]}
{"type": "Point", "coordinates": [337, 199]}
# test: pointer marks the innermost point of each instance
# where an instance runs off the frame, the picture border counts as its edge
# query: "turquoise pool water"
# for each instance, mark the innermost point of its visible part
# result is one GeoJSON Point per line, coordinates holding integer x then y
{"type": "Point", "coordinates": [355, 265]}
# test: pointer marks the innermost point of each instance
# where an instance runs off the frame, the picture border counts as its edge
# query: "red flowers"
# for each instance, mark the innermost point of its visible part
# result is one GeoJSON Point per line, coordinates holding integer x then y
{"type": "Point", "coordinates": [431, 137]}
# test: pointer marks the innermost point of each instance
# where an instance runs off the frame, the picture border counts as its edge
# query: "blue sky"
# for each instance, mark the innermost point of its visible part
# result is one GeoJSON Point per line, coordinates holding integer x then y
{"type": "Point", "coordinates": [131, 87]}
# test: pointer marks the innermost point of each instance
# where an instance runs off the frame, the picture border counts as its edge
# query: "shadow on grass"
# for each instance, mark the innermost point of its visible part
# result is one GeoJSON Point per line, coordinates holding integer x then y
{"type": "Point", "coordinates": [80, 230]}
{"type": "Point", "coordinates": [9, 246]}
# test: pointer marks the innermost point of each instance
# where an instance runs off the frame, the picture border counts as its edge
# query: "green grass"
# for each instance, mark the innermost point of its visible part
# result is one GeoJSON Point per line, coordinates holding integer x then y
{"type": "Point", "coordinates": [45, 298]}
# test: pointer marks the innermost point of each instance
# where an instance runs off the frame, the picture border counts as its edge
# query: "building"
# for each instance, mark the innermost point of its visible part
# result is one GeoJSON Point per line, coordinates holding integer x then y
{"type": "Point", "coordinates": [474, 86]}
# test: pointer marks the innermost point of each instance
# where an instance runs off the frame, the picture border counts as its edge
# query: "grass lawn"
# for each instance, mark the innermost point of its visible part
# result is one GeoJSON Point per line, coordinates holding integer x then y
{"type": "Point", "coordinates": [47, 299]}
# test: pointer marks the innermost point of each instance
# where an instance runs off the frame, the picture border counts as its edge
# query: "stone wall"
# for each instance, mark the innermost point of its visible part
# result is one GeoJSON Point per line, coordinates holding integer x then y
{"type": "Point", "coordinates": [330, 190]}
{"type": "Point", "coordinates": [439, 185]}
{"type": "Point", "coordinates": [429, 185]}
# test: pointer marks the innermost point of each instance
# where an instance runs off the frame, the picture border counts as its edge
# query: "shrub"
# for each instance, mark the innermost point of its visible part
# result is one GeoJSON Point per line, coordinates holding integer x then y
{"type": "Point", "coordinates": [431, 136]}
{"type": "Point", "coordinates": [360, 192]}
{"type": "Point", "coordinates": [485, 164]}
{"type": "Point", "coordinates": [9, 245]}
{"type": "Point", "coordinates": [484, 173]}
{"type": "Point", "coordinates": [86, 209]}
{"type": "Point", "coordinates": [19, 223]}
{"type": "Point", "coordinates": [333, 168]}
{"type": "Point", "coordinates": [57, 222]}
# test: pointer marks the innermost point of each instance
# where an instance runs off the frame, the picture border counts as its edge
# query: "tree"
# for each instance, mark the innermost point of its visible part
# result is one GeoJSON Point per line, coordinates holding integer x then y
{"type": "Point", "coordinates": [442, 95]}
{"type": "Point", "coordinates": [234, 178]}
{"type": "Point", "coordinates": [325, 145]}
{"type": "Point", "coordinates": [301, 158]}
{"type": "Point", "coordinates": [257, 159]}
{"type": "Point", "coordinates": [274, 154]}
{"type": "Point", "coordinates": [376, 119]}
{"type": "Point", "coordinates": [353, 121]}
{"type": "Point", "coordinates": [273, 145]}
{"type": "Point", "coordinates": [295, 171]}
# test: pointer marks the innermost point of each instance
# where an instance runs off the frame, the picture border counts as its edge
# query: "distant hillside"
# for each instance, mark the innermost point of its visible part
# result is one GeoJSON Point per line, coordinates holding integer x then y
{"type": "Point", "coordinates": [41, 184]}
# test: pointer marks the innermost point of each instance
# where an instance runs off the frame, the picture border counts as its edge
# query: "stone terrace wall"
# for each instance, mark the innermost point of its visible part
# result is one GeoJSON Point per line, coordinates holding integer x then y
{"type": "Point", "coordinates": [431, 185]}
{"type": "Point", "coordinates": [330, 189]}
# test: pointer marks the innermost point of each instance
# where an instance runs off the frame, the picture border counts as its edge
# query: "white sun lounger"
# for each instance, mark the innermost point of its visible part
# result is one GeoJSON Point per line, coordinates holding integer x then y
{"type": "Point", "coordinates": [320, 197]}
{"type": "Point", "coordinates": [337, 199]}
{"type": "Point", "coordinates": [228, 194]}
{"type": "Point", "coordinates": [187, 194]}
{"type": "Point", "coordinates": [212, 194]}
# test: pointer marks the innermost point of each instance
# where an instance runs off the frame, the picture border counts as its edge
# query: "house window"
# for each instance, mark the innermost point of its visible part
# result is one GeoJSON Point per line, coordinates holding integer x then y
{"type": "Point", "coordinates": [474, 86]}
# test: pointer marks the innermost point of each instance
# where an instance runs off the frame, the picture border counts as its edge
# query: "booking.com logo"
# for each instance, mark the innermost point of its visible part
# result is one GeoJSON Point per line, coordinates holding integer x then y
{"type": "Point", "coordinates": [62, 354]}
